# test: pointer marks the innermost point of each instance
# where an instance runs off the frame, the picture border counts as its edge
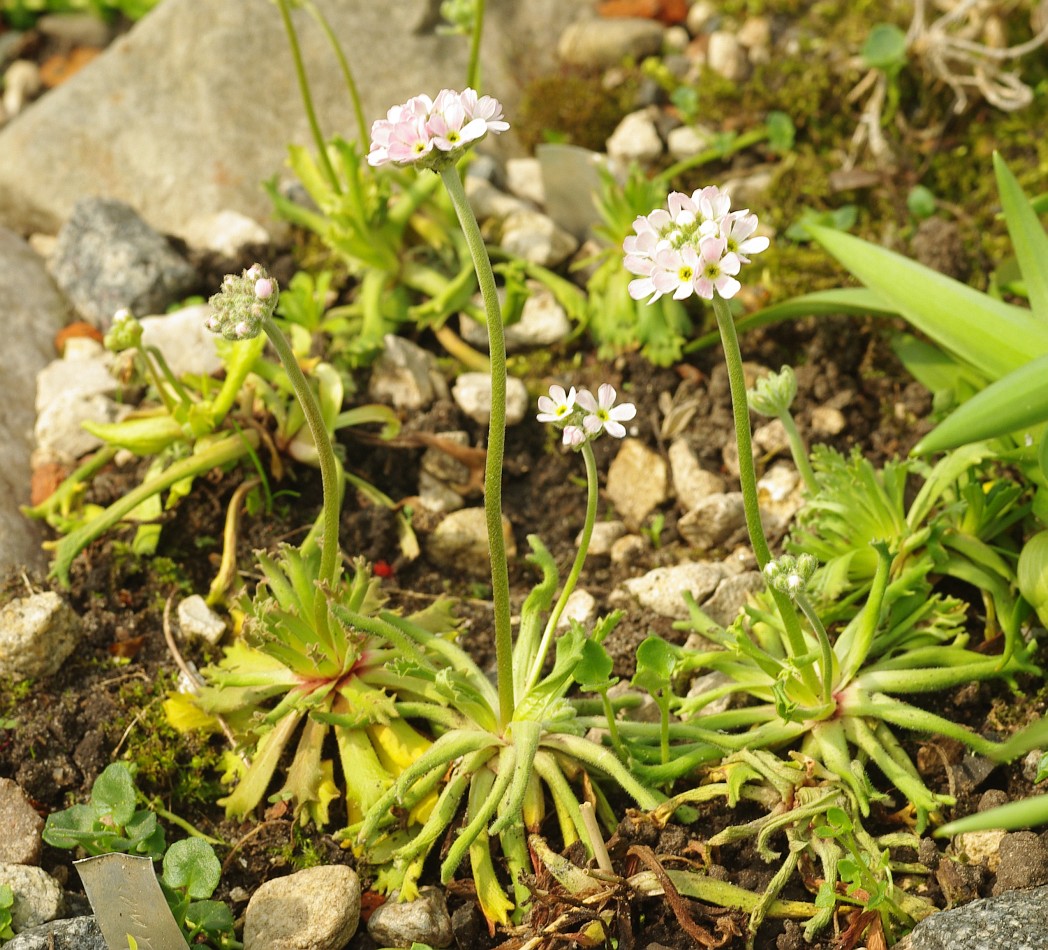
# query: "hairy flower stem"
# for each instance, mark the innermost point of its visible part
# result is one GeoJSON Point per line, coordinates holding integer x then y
{"type": "Point", "coordinates": [799, 451]}
{"type": "Point", "coordinates": [496, 441]}
{"type": "Point", "coordinates": [329, 555]}
{"type": "Point", "coordinates": [576, 567]}
{"type": "Point", "coordinates": [748, 483]}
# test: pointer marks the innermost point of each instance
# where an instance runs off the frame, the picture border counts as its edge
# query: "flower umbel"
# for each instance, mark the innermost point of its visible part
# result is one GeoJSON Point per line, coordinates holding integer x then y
{"type": "Point", "coordinates": [602, 413]}
{"type": "Point", "coordinates": [695, 247]}
{"type": "Point", "coordinates": [583, 416]}
{"type": "Point", "coordinates": [239, 308]}
{"type": "Point", "coordinates": [434, 132]}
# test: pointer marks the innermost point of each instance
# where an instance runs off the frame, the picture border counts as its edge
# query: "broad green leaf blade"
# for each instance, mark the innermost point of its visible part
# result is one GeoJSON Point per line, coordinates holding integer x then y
{"type": "Point", "coordinates": [935, 369]}
{"type": "Point", "coordinates": [1017, 401]}
{"type": "Point", "coordinates": [992, 336]}
{"type": "Point", "coordinates": [1028, 238]}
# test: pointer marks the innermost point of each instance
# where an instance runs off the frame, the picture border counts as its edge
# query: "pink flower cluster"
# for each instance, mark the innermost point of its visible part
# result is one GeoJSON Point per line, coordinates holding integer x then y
{"type": "Point", "coordinates": [697, 246]}
{"type": "Point", "coordinates": [421, 129]}
{"type": "Point", "coordinates": [582, 416]}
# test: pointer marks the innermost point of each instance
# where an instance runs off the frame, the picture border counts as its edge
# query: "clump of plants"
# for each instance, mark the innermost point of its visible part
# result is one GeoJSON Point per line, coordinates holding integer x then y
{"type": "Point", "coordinates": [111, 821]}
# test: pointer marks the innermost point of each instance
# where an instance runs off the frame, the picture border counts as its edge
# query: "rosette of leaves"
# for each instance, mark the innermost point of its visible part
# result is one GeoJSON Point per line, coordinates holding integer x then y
{"type": "Point", "coordinates": [818, 819]}
{"type": "Point", "coordinates": [503, 774]}
{"type": "Point", "coordinates": [300, 673]}
{"type": "Point", "coordinates": [838, 697]}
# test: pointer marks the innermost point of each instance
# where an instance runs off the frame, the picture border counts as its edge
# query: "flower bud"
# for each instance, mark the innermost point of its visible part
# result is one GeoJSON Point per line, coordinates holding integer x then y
{"type": "Point", "coordinates": [243, 304]}
{"type": "Point", "coordinates": [773, 394]}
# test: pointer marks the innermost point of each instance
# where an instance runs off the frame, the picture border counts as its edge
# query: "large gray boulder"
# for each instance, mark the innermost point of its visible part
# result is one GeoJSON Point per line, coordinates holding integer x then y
{"type": "Point", "coordinates": [185, 115]}
{"type": "Point", "coordinates": [31, 311]}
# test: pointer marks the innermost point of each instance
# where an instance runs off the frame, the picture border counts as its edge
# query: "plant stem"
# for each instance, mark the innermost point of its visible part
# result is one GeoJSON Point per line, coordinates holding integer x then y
{"type": "Point", "coordinates": [307, 96]}
{"type": "Point", "coordinates": [748, 483]}
{"type": "Point", "coordinates": [799, 451]}
{"type": "Point", "coordinates": [576, 567]}
{"type": "Point", "coordinates": [347, 72]}
{"type": "Point", "coordinates": [329, 558]}
{"type": "Point", "coordinates": [496, 441]}
{"type": "Point", "coordinates": [473, 71]}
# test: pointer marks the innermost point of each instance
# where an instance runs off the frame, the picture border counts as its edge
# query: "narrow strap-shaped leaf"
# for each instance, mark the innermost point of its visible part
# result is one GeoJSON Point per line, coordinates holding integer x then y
{"type": "Point", "coordinates": [1028, 237]}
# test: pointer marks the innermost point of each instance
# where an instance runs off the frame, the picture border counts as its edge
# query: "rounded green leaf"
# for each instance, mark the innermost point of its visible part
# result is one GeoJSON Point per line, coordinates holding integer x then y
{"type": "Point", "coordinates": [593, 670]}
{"type": "Point", "coordinates": [885, 48]}
{"type": "Point", "coordinates": [113, 795]}
{"type": "Point", "coordinates": [191, 865]}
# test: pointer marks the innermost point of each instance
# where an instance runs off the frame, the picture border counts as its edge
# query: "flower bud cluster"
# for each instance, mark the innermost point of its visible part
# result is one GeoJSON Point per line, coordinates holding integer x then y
{"type": "Point", "coordinates": [773, 394]}
{"type": "Point", "coordinates": [125, 333]}
{"type": "Point", "coordinates": [243, 303]}
{"type": "Point", "coordinates": [434, 133]}
{"type": "Point", "coordinates": [582, 416]}
{"type": "Point", "coordinates": [697, 246]}
{"type": "Point", "coordinates": [789, 574]}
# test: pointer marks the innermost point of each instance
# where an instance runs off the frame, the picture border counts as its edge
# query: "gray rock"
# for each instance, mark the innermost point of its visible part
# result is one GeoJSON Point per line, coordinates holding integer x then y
{"type": "Point", "coordinates": [21, 85]}
{"type": "Point", "coordinates": [405, 375]}
{"type": "Point", "coordinates": [177, 150]}
{"type": "Point", "coordinates": [581, 607]}
{"type": "Point", "coordinates": [687, 140]}
{"type": "Point", "coordinates": [731, 596]}
{"type": "Point", "coordinates": [426, 920]}
{"type": "Point", "coordinates": [603, 42]}
{"type": "Point", "coordinates": [38, 896]}
{"type": "Point", "coordinates": [443, 466]}
{"type": "Point", "coordinates": [781, 494]}
{"type": "Point", "coordinates": [228, 233]}
{"type": "Point", "coordinates": [627, 549]}
{"type": "Point", "coordinates": [524, 179]}
{"type": "Point", "coordinates": [434, 495]}
{"type": "Point", "coordinates": [727, 57]}
{"type": "Point", "coordinates": [318, 909]}
{"type": "Point", "coordinates": [636, 138]}
{"type": "Point", "coordinates": [1022, 862]}
{"type": "Point", "coordinates": [750, 190]}
{"type": "Point", "coordinates": [460, 542]}
{"type": "Point", "coordinates": [60, 436]}
{"type": "Point", "coordinates": [701, 15]}
{"type": "Point", "coordinates": [770, 438]}
{"type": "Point", "coordinates": [185, 342]}
{"type": "Point", "coordinates": [604, 535]}
{"type": "Point", "coordinates": [489, 203]}
{"type": "Point", "coordinates": [37, 633]}
{"type": "Point", "coordinates": [691, 481]}
{"type": "Point", "coordinates": [33, 311]}
{"type": "Point", "coordinates": [637, 481]}
{"type": "Point", "coordinates": [107, 258]}
{"type": "Point", "coordinates": [75, 29]}
{"type": "Point", "coordinates": [755, 36]}
{"type": "Point", "coordinates": [536, 237]}
{"type": "Point", "coordinates": [714, 522]}
{"type": "Point", "coordinates": [472, 394]}
{"type": "Point", "coordinates": [76, 933]}
{"type": "Point", "coordinates": [82, 371]}
{"type": "Point", "coordinates": [661, 589]}
{"type": "Point", "coordinates": [22, 825]}
{"type": "Point", "coordinates": [827, 420]}
{"type": "Point", "coordinates": [1017, 920]}
{"type": "Point", "coordinates": [197, 621]}
{"type": "Point", "coordinates": [542, 322]}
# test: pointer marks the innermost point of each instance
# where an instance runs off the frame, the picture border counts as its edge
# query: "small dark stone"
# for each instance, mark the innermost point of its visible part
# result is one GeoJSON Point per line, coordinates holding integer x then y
{"type": "Point", "coordinates": [466, 923]}
{"type": "Point", "coordinates": [107, 257]}
{"type": "Point", "coordinates": [959, 882]}
{"type": "Point", "coordinates": [79, 933]}
{"type": "Point", "coordinates": [992, 798]}
{"type": "Point", "coordinates": [938, 245]}
{"type": "Point", "coordinates": [1024, 862]}
{"type": "Point", "coordinates": [928, 854]}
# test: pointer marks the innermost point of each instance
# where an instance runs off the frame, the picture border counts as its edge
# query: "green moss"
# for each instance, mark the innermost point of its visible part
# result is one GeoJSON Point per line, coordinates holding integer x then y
{"type": "Point", "coordinates": [182, 768]}
{"type": "Point", "coordinates": [572, 106]}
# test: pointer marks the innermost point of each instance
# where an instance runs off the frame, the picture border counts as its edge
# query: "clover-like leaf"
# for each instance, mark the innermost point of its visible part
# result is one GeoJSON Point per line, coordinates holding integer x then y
{"type": "Point", "coordinates": [656, 660]}
{"type": "Point", "coordinates": [113, 795]}
{"type": "Point", "coordinates": [594, 668]}
{"type": "Point", "coordinates": [190, 865]}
